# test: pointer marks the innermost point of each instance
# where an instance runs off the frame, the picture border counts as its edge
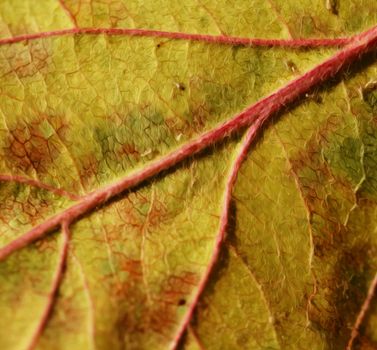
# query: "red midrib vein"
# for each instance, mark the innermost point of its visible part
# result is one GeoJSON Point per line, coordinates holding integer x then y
{"type": "Point", "coordinates": [261, 110]}
{"type": "Point", "coordinates": [219, 39]}
{"type": "Point", "coordinates": [251, 134]}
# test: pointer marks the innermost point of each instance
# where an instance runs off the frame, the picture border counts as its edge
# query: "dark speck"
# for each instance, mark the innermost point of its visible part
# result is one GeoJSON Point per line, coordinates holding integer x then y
{"type": "Point", "coordinates": [181, 302]}
{"type": "Point", "coordinates": [332, 6]}
{"type": "Point", "coordinates": [181, 87]}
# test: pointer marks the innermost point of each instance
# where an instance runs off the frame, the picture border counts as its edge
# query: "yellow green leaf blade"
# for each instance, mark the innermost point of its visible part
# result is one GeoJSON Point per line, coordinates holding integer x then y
{"type": "Point", "coordinates": [80, 111]}
{"type": "Point", "coordinates": [19, 17]}
{"type": "Point", "coordinates": [267, 19]}
{"type": "Point", "coordinates": [305, 219]}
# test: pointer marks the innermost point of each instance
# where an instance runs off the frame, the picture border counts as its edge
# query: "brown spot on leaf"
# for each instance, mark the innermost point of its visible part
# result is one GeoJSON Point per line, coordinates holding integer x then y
{"type": "Point", "coordinates": [340, 290]}
{"type": "Point", "coordinates": [28, 149]}
{"type": "Point", "coordinates": [133, 267]}
{"type": "Point", "coordinates": [363, 343]}
{"type": "Point", "coordinates": [141, 318]}
{"type": "Point", "coordinates": [33, 60]}
{"type": "Point", "coordinates": [128, 149]}
{"type": "Point", "coordinates": [175, 289]}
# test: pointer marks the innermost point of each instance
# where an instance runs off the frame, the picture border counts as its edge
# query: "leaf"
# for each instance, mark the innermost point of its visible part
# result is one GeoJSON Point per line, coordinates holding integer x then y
{"type": "Point", "coordinates": [20, 17]}
{"type": "Point", "coordinates": [125, 160]}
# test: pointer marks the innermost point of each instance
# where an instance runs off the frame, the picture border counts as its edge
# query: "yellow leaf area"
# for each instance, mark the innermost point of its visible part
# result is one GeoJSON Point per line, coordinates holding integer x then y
{"type": "Point", "coordinates": [256, 18]}
{"type": "Point", "coordinates": [21, 17]}
{"type": "Point", "coordinates": [79, 112]}
{"type": "Point", "coordinates": [302, 246]}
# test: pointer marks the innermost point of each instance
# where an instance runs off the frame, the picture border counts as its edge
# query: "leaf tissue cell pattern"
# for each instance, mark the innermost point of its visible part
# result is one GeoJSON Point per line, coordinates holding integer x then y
{"type": "Point", "coordinates": [188, 176]}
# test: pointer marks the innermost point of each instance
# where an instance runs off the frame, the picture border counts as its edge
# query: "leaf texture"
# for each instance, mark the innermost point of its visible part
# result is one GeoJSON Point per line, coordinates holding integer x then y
{"type": "Point", "coordinates": [145, 265]}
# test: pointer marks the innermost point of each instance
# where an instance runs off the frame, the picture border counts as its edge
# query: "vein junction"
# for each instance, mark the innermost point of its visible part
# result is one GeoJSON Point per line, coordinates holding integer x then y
{"type": "Point", "coordinates": [253, 117]}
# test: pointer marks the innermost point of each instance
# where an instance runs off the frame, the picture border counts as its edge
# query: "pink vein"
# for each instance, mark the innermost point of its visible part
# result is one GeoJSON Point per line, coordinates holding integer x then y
{"type": "Point", "coordinates": [263, 109]}
{"type": "Point", "coordinates": [196, 337]}
{"type": "Point", "coordinates": [68, 12]}
{"type": "Point", "coordinates": [220, 39]}
{"type": "Point", "coordinates": [53, 290]}
{"type": "Point", "coordinates": [224, 218]}
{"type": "Point", "coordinates": [39, 184]}
{"type": "Point", "coordinates": [364, 309]}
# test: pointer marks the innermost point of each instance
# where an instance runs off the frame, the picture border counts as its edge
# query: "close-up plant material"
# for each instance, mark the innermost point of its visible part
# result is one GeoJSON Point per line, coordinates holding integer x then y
{"type": "Point", "coordinates": [188, 175]}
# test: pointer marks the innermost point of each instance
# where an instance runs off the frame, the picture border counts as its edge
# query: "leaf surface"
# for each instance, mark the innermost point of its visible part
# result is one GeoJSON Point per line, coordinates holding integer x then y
{"type": "Point", "coordinates": [145, 266]}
